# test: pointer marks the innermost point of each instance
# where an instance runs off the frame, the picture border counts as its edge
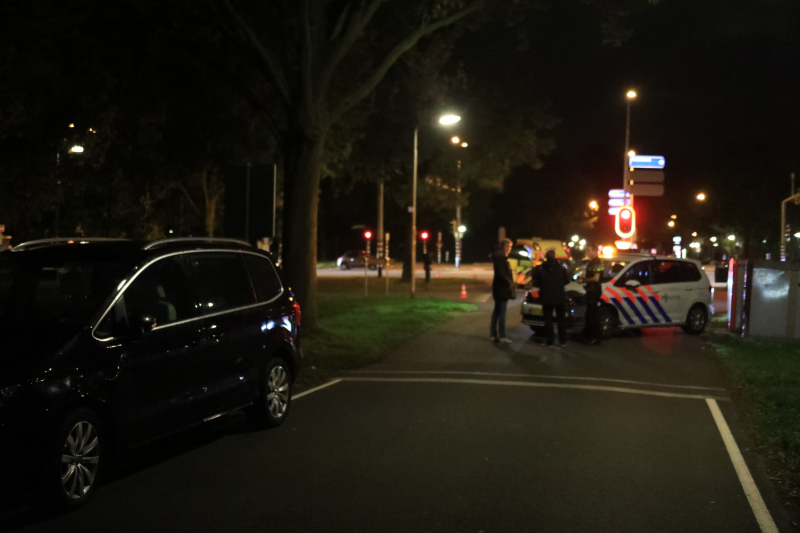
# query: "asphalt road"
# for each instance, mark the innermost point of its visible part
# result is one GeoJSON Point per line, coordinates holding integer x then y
{"type": "Point", "coordinates": [453, 433]}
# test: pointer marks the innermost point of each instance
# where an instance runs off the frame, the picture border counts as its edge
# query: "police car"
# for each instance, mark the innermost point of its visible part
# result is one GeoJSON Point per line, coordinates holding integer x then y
{"type": "Point", "coordinates": [638, 291]}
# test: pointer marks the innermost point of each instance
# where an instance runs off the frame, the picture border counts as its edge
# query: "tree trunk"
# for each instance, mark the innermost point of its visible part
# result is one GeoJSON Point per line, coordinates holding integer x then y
{"type": "Point", "coordinates": [303, 161]}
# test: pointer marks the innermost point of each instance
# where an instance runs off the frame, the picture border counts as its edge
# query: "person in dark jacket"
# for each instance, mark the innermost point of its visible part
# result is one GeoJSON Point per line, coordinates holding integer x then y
{"type": "Point", "coordinates": [503, 290]}
{"type": "Point", "coordinates": [551, 278]}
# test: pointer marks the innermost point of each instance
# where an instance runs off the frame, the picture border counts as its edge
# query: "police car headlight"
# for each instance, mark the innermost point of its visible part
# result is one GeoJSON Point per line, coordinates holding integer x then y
{"type": "Point", "coordinates": [339, 262]}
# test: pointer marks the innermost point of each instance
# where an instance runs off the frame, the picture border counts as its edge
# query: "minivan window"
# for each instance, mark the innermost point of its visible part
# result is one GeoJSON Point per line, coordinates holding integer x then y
{"type": "Point", "coordinates": [689, 272]}
{"type": "Point", "coordinates": [54, 293]}
{"type": "Point", "coordinates": [265, 279]}
{"type": "Point", "coordinates": [666, 272]}
{"type": "Point", "coordinates": [222, 281]}
{"type": "Point", "coordinates": [160, 291]}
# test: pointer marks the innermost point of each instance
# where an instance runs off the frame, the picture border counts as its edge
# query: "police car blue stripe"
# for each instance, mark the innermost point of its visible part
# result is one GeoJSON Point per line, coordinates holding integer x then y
{"type": "Point", "coordinates": [660, 309]}
{"type": "Point", "coordinates": [647, 308]}
{"type": "Point", "coordinates": [622, 310]}
{"type": "Point", "coordinates": [636, 310]}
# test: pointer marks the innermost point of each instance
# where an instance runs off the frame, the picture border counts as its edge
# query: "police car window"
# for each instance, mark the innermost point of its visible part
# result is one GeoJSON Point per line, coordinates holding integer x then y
{"type": "Point", "coordinates": [612, 268]}
{"type": "Point", "coordinates": [689, 272]}
{"type": "Point", "coordinates": [666, 272]}
{"type": "Point", "coordinates": [265, 279]}
{"type": "Point", "coordinates": [637, 272]}
{"type": "Point", "coordinates": [222, 281]}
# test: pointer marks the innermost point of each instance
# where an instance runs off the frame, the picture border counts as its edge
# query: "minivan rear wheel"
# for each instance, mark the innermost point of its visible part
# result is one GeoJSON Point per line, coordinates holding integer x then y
{"type": "Point", "coordinates": [272, 406]}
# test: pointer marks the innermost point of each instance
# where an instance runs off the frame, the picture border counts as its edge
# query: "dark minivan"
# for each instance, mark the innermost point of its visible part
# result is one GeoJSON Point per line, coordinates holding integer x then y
{"type": "Point", "coordinates": [108, 344]}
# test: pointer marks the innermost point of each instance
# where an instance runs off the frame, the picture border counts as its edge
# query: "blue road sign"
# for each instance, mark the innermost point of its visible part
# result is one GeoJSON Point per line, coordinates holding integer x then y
{"type": "Point", "coordinates": [618, 202]}
{"type": "Point", "coordinates": [618, 193]}
{"type": "Point", "coordinates": [647, 161]}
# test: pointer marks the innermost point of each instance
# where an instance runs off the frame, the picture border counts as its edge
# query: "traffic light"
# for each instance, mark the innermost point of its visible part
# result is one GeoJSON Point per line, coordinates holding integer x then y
{"type": "Point", "coordinates": [368, 235]}
{"type": "Point", "coordinates": [424, 235]}
{"type": "Point", "coordinates": [625, 223]}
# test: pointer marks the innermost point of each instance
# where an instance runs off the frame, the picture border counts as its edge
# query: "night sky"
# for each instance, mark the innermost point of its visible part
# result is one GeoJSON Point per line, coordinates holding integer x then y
{"type": "Point", "coordinates": [718, 97]}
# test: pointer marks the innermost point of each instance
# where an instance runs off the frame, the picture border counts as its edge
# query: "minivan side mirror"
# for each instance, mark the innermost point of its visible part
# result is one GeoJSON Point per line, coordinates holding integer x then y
{"type": "Point", "coordinates": [143, 323]}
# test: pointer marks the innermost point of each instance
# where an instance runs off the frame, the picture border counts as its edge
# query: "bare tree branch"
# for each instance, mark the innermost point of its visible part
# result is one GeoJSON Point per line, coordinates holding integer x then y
{"type": "Point", "coordinates": [342, 45]}
{"type": "Point", "coordinates": [274, 71]}
{"type": "Point", "coordinates": [425, 28]}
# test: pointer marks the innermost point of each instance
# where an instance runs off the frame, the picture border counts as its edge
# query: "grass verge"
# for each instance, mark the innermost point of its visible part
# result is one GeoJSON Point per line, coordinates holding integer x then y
{"type": "Point", "coordinates": [766, 375]}
{"type": "Point", "coordinates": [354, 331]}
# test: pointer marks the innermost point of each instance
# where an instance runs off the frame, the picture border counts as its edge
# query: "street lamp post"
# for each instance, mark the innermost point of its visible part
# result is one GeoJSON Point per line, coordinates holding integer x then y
{"type": "Point", "coordinates": [446, 120]}
{"type": "Point", "coordinates": [630, 95]}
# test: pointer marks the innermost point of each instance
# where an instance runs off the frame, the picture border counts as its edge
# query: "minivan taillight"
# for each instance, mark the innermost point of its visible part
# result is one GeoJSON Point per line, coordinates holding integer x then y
{"type": "Point", "coordinates": [297, 313]}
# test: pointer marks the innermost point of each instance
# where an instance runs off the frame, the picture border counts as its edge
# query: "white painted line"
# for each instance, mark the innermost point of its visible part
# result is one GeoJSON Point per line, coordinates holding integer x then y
{"type": "Point", "coordinates": [315, 389]}
{"type": "Point", "coordinates": [763, 517]}
{"type": "Point", "coordinates": [534, 384]}
{"type": "Point", "coordinates": [508, 374]}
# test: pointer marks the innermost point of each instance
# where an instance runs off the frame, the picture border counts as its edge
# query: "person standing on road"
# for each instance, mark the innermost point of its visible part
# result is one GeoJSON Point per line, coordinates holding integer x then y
{"type": "Point", "coordinates": [594, 269]}
{"type": "Point", "coordinates": [551, 278]}
{"type": "Point", "coordinates": [426, 264]}
{"type": "Point", "coordinates": [503, 290]}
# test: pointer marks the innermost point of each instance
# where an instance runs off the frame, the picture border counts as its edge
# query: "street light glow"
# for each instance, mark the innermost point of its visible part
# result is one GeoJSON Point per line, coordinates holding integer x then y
{"type": "Point", "coordinates": [673, 217]}
{"type": "Point", "coordinates": [582, 242]}
{"type": "Point", "coordinates": [671, 223]}
{"type": "Point", "coordinates": [631, 95]}
{"type": "Point", "coordinates": [575, 238]}
{"type": "Point", "coordinates": [593, 205]}
{"type": "Point", "coordinates": [449, 119]}
{"type": "Point", "coordinates": [731, 237]}
{"type": "Point", "coordinates": [694, 234]}
{"type": "Point", "coordinates": [77, 149]}
{"type": "Point", "coordinates": [713, 239]}
{"type": "Point", "coordinates": [464, 145]}
{"type": "Point", "coordinates": [455, 140]}
{"type": "Point", "coordinates": [701, 197]}
{"type": "Point", "coordinates": [462, 229]}
{"type": "Point", "coordinates": [631, 153]}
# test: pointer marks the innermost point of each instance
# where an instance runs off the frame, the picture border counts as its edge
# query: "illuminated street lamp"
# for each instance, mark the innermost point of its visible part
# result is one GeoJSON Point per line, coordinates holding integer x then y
{"type": "Point", "coordinates": [731, 237]}
{"type": "Point", "coordinates": [575, 238]}
{"type": "Point", "coordinates": [701, 196]}
{"type": "Point", "coordinates": [713, 239]}
{"type": "Point", "coordinates": [671, 223]}
{"type": "Point", "coordinates": [77, 149]}
{"type": "Point", "coordinates": [445, 120]}
{"type": "Point", "coordinates": [593, 205]}
{"type": "Point", "coordinates": [455, 140]}
{"type": "Point", "coordinates": [631, 153]}
{"type": "Point", "coordinates": [629, 97]}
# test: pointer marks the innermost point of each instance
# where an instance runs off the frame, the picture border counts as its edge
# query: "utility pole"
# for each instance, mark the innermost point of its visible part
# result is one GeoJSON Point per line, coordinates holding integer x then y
{"type": "Point", "coordinates": [796, 198]}
{"type": "Point", "coordinates": [379, 239]}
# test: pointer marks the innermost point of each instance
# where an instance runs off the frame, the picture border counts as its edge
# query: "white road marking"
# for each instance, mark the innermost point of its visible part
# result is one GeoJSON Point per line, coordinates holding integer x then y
{"type": "Point", "coordinates": [315, 389]}
{"type": "Point", "coordinates": [535, 384]}
{"type": "Point", "coordinates": [763, 517]}
{"type": "Point", "coordinates": [507, 374]}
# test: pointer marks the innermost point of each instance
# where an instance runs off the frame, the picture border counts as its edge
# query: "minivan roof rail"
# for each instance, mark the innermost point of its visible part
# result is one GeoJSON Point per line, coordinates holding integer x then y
{"type": "Point", "coordinates": [176, 240]}
{"type": "Point", "coordinates": [40, 243]}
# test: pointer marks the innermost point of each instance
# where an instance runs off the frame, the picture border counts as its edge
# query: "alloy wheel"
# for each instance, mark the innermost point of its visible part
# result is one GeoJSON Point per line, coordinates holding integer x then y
{"type": "Point", "coordinates": [80, 459]}
{"type": "Point", "coordinates": [697, 319]}
{"type": "Point", "coordinates": [278, 392]}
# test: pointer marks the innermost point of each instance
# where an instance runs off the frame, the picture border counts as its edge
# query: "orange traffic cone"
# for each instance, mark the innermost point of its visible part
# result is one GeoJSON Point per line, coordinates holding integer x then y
{"type": "Point", "coordinates": [463, 290]}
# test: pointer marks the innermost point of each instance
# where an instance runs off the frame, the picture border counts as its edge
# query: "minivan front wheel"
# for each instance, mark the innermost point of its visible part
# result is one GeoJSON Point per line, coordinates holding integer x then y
{"type": "Point", "coordinates": [696, 320]}
{"type": "Point", "coordinates": [76, 459]}
{"type": "Point", "coordinates": [608, 321]}
{"type": "Point", "coordinates": [276, 394]}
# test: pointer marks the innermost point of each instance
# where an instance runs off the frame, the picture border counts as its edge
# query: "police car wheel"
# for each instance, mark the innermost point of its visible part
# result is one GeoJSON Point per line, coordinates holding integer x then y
{"type": "Point", "coordinates": [344, 266]}
{"type": "Point", "coordinates": [696, 320]}
{"type": "Point", "coordinates": [609, 321]}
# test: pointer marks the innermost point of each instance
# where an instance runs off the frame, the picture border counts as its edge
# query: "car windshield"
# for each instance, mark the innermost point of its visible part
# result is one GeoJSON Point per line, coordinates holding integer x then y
{"type": "Point", "coordinates": [52, 292]}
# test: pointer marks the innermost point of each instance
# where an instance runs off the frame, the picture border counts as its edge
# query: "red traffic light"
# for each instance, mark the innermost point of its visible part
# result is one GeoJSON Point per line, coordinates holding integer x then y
{"type": "Point", "coordinates": [367, 234]}
{"type": "Point", "coordinates": [625, 223]}
{"type": "Point", "coordinates": [424, 235]}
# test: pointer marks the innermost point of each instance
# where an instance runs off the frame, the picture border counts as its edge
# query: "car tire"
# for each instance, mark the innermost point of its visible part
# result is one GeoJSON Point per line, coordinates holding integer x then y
{"type": "Point", "coordinates": [275, 398]}
{"type": "Point", "coordinates": [76, 459]}
{"type": "Point", "coordinates": [373, 267]}
{"type": "Point", "coordinates": [538, 331]}
{"type": "Point", "coordinates": [344, 266]}
{"type": "Point", "coordinates": [696, 320]}
{"type": "Point", "coordinates": [609, 321]}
